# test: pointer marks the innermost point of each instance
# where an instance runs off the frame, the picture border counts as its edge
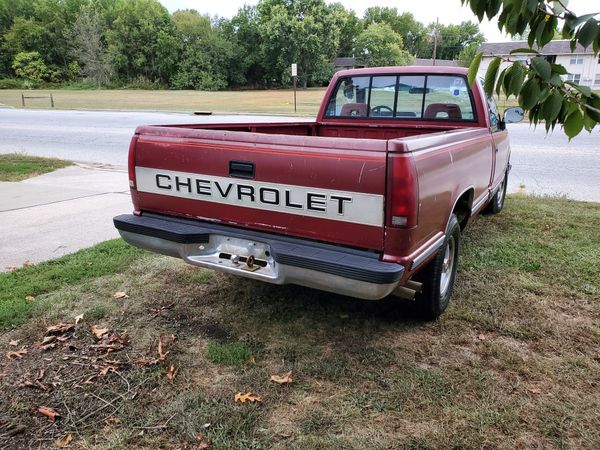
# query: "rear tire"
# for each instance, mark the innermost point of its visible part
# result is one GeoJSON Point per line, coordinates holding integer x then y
{"type": "Point", "coordinates": [439, 275]}
{"type": "Point", "coordinates": [497, 203]}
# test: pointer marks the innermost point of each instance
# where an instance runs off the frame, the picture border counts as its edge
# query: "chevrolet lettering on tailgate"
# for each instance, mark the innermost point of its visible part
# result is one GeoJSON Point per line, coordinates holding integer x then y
{"type": "Point", "coordinates": [354, 207]}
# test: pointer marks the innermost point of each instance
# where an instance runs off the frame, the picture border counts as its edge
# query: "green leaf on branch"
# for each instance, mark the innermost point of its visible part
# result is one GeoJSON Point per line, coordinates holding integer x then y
{"type": "Point", "coordinates": [542, 67]}
{"type": "Point", "coordinates": [593, 109]}
{"type": "Point", "coordinates": [517, 78]}
{"type": "Point", "coordinates": [473, 68]}
{"type": "Point", "coordinates": [574, 124]}
{"type": "Point", "coordinates": [559, 69]}
{"type": "Point", "coordinates": [490, 76]}
{"type": "Point", "coordinates": [551, 107]}
{"type": "Point", "coordinates": [530, 94]}
{"type": "Point", "coordinates": [584, 90]}
{"type": "Point", "coordinates": [588, 32]}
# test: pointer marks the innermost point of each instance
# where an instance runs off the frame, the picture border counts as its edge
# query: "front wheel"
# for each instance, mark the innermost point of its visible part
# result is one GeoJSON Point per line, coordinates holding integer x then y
{"type": "Point", "coordinates": [439, 275]}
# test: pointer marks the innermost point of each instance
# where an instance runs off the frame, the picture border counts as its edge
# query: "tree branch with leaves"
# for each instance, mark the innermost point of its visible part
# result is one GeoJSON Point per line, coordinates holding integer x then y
{"type": "Point", "coordinates": [537, 83]}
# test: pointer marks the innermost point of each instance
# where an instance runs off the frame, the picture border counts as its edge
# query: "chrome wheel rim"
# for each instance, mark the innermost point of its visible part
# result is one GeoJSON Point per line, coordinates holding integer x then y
{"type": "Point", "coordinates": [500, 195]}
{"type": "Point", "coordinates": [447, 266]}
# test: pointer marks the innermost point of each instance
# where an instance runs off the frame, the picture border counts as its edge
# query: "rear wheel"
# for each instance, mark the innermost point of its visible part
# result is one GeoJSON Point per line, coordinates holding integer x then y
{"type": "Point", "coordinates": [439, 275]}
{"type": "Point", "coordinates": [497, 202]}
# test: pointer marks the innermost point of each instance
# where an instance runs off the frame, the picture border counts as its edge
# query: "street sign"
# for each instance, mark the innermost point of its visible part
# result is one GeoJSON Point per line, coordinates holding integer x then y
{"type": "Point", "coordinates": [294, 70]}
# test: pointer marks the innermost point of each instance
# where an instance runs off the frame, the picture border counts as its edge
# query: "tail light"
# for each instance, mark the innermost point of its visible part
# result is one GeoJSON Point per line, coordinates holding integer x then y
{"type": "Point", "coordinates": [131, 162]}
{"type": "Point", "coordinates": [403, 191]}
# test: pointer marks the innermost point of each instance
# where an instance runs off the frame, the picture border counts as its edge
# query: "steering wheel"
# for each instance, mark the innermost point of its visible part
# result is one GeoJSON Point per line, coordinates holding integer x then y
{"type": "Point", "coordinates": [376, 110]}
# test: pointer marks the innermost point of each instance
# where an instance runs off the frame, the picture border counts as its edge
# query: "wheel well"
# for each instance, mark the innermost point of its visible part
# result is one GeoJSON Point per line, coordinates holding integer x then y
{"type": "Point", "coordinates": [462, 208]}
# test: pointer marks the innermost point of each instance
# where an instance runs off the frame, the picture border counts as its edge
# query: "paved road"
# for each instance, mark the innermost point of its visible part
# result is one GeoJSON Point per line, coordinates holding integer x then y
{"type": "Point", "coordinates": [541, 164]}
{"type": "Point", "coordinates": [90, 136]}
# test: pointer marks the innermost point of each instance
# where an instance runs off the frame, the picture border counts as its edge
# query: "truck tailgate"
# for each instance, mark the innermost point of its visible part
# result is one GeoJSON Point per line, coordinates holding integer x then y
{"type": "Point", "coordinates": [325, 189]}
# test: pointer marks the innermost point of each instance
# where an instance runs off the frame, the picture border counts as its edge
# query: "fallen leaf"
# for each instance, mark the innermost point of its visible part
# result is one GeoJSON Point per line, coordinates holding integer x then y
{"type": "Point", "coordinates": [48, 339]}
{"type": "Point", "coordinates": [40, 374]}
{"type": "Point", "coordinates": [481, 337]}
{"type": "Point", "coordinates": [98, 332]}
{"type": "Point", "coordinates": [14, 343]}
{"type": "Point", "coordinates": [61, 328]}
{"type": "Point", "coordinates": [203, 442]}
{"type": "Point", "coordinates": [10, 268]}
{"type": "Point", "coordinates": [109, 368]}
{"type": "Point", "coordinates": [18, 354]}
{"type": "Point", "coordinates": [26, 263]}
{"type": "Point", "coordinates": [64, 442]}
{"type": "Point", "coordinates": [120, 295]}
{"type": "Point", "coordinates": [535, 390]}
{"type": "Point", "coordinates": [251, 361]}
{"type": "Point", "coordinates": [171, 372]}
{"type": "Point", "coordinates": [62, 338]}
{"type": "Point", "coordinates": [78, 319]}
{"type": "Point", "coordinates": [30, 298]}
{"type": "Point", "coordinates": [247, 397]}
{"type": "Point", "coordinates": [286, 378]}
{"type": "Point", "coordinates": [162, 355]}
{"type": "Point", "coordinates": [50, 413]}
{"type": "Point", "coordinates": [48, 346]}
{"type": "Point", "coordinates": [145, 361]}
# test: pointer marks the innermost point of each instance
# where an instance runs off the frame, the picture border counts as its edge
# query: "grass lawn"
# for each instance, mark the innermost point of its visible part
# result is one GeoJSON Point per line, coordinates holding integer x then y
{"type": "Point", "coordinates": [262, 101]}
{"type": "Point", "coordinates": [17, 167]}
{"type": "Point", "coordinates": [513, 363]}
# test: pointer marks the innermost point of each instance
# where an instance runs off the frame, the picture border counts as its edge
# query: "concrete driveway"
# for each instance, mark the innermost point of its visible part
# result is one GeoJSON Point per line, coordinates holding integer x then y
{"type": "Point", "coordinates": [59, 213]}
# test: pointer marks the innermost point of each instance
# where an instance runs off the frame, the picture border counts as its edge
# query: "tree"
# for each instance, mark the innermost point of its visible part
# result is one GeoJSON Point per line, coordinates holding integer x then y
{"type": "Point", "coordinates": [87, 46]}
{"type": "Point", "coordinates": [297, 31]}
{"type": "Point", "coordinates": [467, 54]}
{"type": "Point", "coordinates": [380, 45]}
{"type": "Point", "coordinates": [414, 34]}
{"type": "Point", "coordinates": [138, 29]}
{"type": "Point", "coordinates": [538, 84]}
{"type": "Point", "coordinates": [31, 67]}
{"type": "Point", "coordinates": [452, 39]}
{"type": "Point", "coordinates": [206, 54]}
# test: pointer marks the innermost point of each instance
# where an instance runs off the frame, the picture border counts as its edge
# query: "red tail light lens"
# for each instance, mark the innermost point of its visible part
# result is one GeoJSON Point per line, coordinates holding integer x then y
{"type": "Point", "coordinates": [403, 191]}
{"type": "Point", "coordinates": [131, 162]}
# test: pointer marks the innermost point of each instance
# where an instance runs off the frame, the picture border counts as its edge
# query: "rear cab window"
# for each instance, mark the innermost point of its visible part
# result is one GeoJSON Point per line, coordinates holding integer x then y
{"type": "Point", "coordinates": [402, 97]}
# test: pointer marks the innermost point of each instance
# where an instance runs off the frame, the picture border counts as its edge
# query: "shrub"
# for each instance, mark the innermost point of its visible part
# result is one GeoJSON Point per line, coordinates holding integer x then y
{"type": "Point", "coordinates": [31, 66]}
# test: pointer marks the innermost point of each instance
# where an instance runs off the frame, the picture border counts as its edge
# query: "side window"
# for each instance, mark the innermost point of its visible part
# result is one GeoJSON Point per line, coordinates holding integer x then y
{"type": "Point", "coordinates": [383, 95]}
{"type": "Point", "coordinates": [447, 97]}
{"type": "Point", "coordinates": [350, 98]}
{"type": "Point", "coordinates": [494, 114]}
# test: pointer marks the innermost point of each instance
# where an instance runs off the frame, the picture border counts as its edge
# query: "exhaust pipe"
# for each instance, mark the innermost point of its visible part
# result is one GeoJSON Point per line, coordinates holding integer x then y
{"type": "Point", "coordinates": [409, 290]}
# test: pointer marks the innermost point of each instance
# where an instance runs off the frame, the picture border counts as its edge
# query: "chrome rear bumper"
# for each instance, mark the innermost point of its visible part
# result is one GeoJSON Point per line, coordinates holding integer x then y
{"type": "Point", "coordinates": [262, 256]}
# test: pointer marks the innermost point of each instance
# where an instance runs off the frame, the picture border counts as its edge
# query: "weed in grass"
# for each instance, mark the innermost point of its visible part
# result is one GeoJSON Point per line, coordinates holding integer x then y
{"type": "Point", "coordinates": [228, 354]}
{"type": "Point", "coordinates": [96, 312]}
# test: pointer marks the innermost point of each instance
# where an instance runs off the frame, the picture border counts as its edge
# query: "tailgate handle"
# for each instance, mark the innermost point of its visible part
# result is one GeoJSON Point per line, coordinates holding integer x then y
{"type": "Point", "coordinates": [241, 169]}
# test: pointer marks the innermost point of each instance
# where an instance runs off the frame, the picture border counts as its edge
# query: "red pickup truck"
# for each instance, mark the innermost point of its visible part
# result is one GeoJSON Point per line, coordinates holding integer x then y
{"type": "Point", "coordinates": [368, 200]}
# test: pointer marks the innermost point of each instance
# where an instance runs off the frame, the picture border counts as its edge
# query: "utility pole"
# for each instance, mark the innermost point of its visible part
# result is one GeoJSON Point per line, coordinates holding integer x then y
{"type": "Point", "coordinates": [435, 39]}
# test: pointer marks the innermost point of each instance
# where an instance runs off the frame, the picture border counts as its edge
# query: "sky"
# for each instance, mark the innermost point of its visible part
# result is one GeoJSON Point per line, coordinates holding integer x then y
{"type": "Point", "coordinates": [426, 11]}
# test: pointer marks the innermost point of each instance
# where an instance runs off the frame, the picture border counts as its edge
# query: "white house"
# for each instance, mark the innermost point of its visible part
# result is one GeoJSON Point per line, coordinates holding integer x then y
{"type": "Point", "coordinates": [582, 64]}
